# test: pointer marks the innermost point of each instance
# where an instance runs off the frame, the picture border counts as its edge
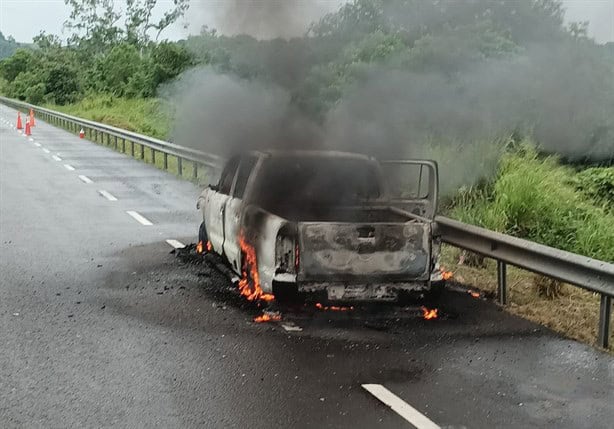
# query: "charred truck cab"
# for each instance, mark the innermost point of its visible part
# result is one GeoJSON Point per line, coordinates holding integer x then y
{"type": "Point", "coordinates": [322, 222]}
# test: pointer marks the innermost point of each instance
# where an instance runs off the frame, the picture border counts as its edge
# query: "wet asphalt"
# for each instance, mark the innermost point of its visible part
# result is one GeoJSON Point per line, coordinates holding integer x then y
{"type": "Point", "coordinates": [102, 326]}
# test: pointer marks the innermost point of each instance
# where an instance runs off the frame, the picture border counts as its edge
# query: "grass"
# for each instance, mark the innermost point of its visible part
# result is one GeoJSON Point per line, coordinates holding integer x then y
{"type": "Point", "coordinates": [144, 116]}
{"type": "Point", "coordinates": [537, 198]}
{"type": "Point", "coordinates": [574, 313]}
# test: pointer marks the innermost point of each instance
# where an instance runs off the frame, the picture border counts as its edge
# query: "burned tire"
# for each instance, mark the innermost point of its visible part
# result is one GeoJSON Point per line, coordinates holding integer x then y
{"type": "Point", "coordinates": [436, 292]}
{"type": "Point", "coordinates": [286, 292]}
{"type": "Point", "coordinates": [202, 233]}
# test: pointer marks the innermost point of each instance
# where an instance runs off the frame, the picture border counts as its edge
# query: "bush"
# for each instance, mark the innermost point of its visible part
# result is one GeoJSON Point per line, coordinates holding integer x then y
{"type": "Point", "coordinates": [61, 84]}
{"type": "Point", "coordinates": [598, 184]}
{"type": "Point", "coordinates": [19, 87]}
{"type": "Point", "coordinates": [36, 94]}
{"type": "Point", "coordinates": [534, 197]}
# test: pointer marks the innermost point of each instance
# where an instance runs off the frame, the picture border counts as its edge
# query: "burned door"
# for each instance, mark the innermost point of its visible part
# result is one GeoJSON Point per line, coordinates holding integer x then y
{"type": "Point", "coordinates": [413, 185]}
{"type": "Point", "coordinates": [232, 216]}
{"type": "Point", "coordinates": [215, 205]}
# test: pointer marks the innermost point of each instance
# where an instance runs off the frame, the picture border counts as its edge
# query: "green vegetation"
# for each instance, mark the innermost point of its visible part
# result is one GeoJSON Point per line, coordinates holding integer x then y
{"type": "Point", "coordinates": [538, 198]}
{"type": "Point", "coordinates": [8, 46]}
{"type": "Point", "coordinates": [101, 57]}
{"type": "Point", "coordinates": [147, 116]}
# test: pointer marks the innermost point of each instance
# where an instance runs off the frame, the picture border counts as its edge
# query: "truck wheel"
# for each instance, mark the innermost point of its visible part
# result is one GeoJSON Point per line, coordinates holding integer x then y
{"type": "Point", "coordinates": [202, 233]}
{"type": "Point", "coordinates": [286, 292]}
{"type": "Point", "coordinates": [436, 291]}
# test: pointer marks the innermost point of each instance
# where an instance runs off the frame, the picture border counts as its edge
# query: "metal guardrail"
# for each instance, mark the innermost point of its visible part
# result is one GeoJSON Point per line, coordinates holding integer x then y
{"type": "Point", "coordinates": [137, 145]}
{"type": "Point", "coordinates": [590, 274]}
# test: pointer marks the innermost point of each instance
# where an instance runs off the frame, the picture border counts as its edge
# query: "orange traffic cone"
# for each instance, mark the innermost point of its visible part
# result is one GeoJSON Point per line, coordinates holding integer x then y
{"type": "Point", "coordinates": [28, 129]}
{"type": "Point", "coordinates": [19, 125]}
{"type": "Point", "coordinates": [81, 133]}
{"type": "Point", "coordinates": [32, 118]}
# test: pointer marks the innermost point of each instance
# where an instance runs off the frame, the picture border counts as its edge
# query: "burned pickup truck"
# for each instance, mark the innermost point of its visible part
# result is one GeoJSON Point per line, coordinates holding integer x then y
{"type": "Point", "coordinates": [342, 226]}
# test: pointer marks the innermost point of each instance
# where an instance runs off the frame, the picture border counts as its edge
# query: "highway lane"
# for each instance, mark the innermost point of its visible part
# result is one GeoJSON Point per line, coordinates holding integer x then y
{"type": "Point", "coordinates": [101, 326]}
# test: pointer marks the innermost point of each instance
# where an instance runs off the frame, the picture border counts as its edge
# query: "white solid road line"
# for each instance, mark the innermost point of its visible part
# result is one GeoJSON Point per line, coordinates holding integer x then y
{"type": "Point", "coordinates": [140, 219]}
{"type": "Point", "coordinates": [107, 195]}
{"type": "Point", "coordinates": [401, 407]}
{"type": "Point", "coordinates": [69, 167]}
{"type": "Point", "coordinates": [85, 179]}
{"type": "Point", "coordinates": [56, 158]}
{"type": "Point", "coordinates": [176, 244]}
{"type": "Point", "coordinates": [46, 150]}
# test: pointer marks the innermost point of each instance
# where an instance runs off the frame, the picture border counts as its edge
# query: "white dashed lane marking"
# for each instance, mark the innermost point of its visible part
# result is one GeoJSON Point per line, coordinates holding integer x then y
{"type": "Point", "coordinates": [107, 195]}
{"type": "Point", "coordinates": [46, 150]}
{"type": "Point", "coordinates": [56, 158]}
{"type": "Point", "coordinates": [402, 408]}
{"type": "Point", "coordinates": [69, 167]}
{"type": "Point", "coordinates": [140, 219]}
{"type": "Point", "coordinates": [85, 179]}
{"type": "Point", "coordinates": [37, 144]}
{"type": "Point", "coordinates": [291, 327]}
{"type": "Point", "coordinates": [176, 244]}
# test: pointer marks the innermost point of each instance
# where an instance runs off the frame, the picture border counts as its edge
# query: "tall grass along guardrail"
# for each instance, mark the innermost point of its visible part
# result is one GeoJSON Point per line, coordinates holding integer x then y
{"type": "Point", "coordinates": [590, 274]}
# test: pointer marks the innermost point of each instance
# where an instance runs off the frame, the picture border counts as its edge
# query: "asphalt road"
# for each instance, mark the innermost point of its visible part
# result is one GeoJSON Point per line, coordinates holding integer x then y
{"type": "Point", "coordinates": [102, 327]}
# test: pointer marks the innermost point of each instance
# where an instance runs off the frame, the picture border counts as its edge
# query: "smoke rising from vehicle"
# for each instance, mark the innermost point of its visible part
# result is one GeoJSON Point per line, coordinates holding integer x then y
{"type": "Point", "coordinates": [461, 118]}
{"type": "Point", "coordinates": [265, 19]}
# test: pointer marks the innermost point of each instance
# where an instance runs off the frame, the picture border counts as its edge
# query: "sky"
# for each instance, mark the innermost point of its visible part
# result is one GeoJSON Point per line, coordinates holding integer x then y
{"type": "Point", "coordinates": [24, 19]}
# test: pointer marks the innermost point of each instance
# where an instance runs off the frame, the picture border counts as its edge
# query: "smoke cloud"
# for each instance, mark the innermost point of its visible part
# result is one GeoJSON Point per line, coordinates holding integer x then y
{"type": "Point", "coordinates": [265, 19]}
{"type": "Point", "coordinates": [461, 119]}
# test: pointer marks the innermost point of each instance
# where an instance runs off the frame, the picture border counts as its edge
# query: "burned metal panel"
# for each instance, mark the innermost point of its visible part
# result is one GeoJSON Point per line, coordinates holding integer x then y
{"type": "Point", "coordinates": [380, 250]}
{"type": "Point", "coordinates": [260, 229]}
{"type": "Point", "coordinates": [380, 291]}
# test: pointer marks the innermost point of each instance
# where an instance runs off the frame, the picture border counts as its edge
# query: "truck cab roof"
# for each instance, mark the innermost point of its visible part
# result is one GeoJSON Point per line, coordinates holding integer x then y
{"type": "Point", "coordinates": [282, 153]}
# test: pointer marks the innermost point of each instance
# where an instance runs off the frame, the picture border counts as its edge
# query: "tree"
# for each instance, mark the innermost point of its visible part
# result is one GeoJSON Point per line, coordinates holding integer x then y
{"type": "Point", "coordinates": [21, 61]}
{"type": "Point", "coordinates": [96, 24]}
{"type": "Point", "coordinates": [138, 19]}
{"type": "Point", "coordinates": [46, 41]}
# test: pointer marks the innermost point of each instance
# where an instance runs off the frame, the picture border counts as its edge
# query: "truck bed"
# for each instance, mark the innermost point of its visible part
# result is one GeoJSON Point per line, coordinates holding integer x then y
{"type": "Point", "coordinates": [374, 214]}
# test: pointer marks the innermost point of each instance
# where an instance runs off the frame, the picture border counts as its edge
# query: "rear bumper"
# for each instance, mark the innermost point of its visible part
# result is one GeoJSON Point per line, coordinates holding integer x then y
{"type": "Point", "coordinates": [337, 291]}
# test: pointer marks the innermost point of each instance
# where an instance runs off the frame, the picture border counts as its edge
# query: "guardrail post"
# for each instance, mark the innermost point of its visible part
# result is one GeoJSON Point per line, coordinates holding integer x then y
{"type": "Point", "coordinates": [131, 148]}
{"type": "Point", "coordinates": [604, 320]}
{"type": "Point", "coordinates": [115, 142]}
{"type": "Point", "coordinates": [142, 151]}
{"type": "Point", "coordinates": [502, 282]}
{"type": "Point", "coordinates": [195, 171]}
{"type": "Point", "coordinates": [165, 160]}
{"type": "Point", "coordinates": [123, 145]}
{"type": "Point", "coordinates": [179, 166]}
{"type": "Point", "coordinates": [153, 156]}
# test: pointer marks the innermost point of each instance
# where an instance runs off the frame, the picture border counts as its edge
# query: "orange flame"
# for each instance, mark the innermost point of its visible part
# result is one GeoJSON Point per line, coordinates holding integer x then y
{"type": "Point", "coordinates": [209, 246]}
{"type": "Point", "coordinates": [249, 285]}
{"type": "Point", "coordinates": [446, 275]}
{"type": "Point", "coordinates": [333, 308]}
{"type": "Point", "coordinates": [429, 314]}
{"type": "Point", "coordinates": [199, 247]}
{"type": "Point", "coordinates": [474, 294]}
{"type": "Point", "coordinates": [268, 317]}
